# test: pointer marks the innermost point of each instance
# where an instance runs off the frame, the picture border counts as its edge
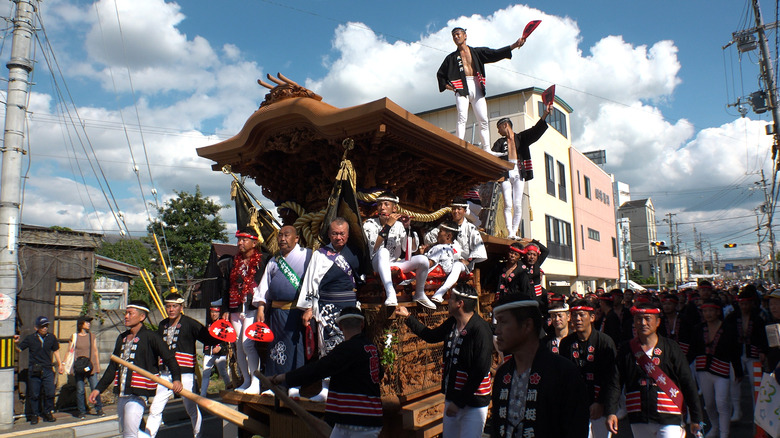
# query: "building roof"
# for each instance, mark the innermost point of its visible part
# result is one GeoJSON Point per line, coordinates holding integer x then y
{"type": "Point", "coordinates": [637, 203]}
{"type": "Point", "coordinates": [44, 236]}
{"type": "Point", "coordinates": [292, 147]}
{"type": "Point", "coordinates": [111, 266]}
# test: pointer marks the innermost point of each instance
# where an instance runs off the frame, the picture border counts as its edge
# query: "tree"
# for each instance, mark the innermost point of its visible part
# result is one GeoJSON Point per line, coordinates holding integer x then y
{"type": "Point", "coordinates": [192, 223]}
{"type": "Point", "coordinates": [133, 252]}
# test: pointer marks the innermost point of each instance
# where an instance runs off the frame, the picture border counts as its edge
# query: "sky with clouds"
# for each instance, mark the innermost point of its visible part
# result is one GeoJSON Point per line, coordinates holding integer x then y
{"type": "Point", "coordinates": [140, 84]}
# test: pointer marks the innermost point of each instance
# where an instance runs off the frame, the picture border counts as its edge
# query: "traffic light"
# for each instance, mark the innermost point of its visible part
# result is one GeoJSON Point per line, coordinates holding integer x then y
{"type": "Point", "coordinates": [730, 245]}
{"type": "Point", "coordinates": [658, 243]}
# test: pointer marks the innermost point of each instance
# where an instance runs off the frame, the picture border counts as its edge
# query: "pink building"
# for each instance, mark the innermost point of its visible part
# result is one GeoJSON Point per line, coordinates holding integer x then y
{"type": "Point", "coordinates": [594, 222]}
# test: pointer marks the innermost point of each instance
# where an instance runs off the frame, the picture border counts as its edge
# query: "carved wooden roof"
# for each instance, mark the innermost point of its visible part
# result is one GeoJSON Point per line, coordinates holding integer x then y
{"type": "Point", "coordinates": [292, 147]}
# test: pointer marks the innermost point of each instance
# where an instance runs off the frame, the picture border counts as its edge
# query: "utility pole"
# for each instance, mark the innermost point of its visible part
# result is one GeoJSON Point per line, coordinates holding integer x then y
{"type": "Point", "coordinates": [19, 68]}
{"type": "Point", "coordinates": [758, 245]}
{"type": "Point", "coordinates": [672, 248]}
{"type": "Point", "coordinates": [678, 261]}
{"type": "Point", "coordinates": [768, 78]}
{"type": "Point", "coordinates": [768, 209]}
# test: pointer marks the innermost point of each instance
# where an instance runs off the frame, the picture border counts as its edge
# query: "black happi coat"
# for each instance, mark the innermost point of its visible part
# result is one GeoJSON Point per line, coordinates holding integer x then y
{"type": "Point", "coordinates": [680, 331]}
{"type": "Point", "coordinates": [558, 406]}
{"type": "Point", "coordinates": [519, 281]}
{"type": "Point", "coordinates": [642, 393]}
{"type": "Point", "coordinates": [147, 350]}
{"type": "Point", "coordinates": [467, 358]}
{"type": "Point", "coordinates": [187, 332]}
{"type": "Point", "coordinates": [595, 359]}
{"type": "Point", "coordinates": [523, 141]}
{"type": "Point", "coordinates": [353, 397]}
{"type": "Point", "coordinates": [724, 351]}
{"type": "Point", "coordinates": [451, 71]}
{"type": "Point", "coordinates": [753, 341]}
{"type": "Point", "coordinates": [611, 325]}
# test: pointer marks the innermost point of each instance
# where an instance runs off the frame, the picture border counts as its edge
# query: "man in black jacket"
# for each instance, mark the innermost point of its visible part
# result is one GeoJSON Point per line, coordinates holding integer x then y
{"type": "Point", "coordinates": [536, 393]}
{"type": "Point", "coordinates": [145, 349]}
{"type": "Point", "coordinates": [354, 401]}
{"type": "Point", "coordinates": [468, 354]}
{"type": "Point", "coordinates": [463, 71]}
{"type": "Point", "coordinates": [654, 372]}
{"type": "Point", "coordinates": [593, 353]}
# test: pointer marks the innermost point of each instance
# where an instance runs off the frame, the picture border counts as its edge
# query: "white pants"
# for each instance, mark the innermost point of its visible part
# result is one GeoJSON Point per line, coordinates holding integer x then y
{"type": "Point", "coordinates": [452, 278]}
{"type": "Point", "coordinates": [598, 428]}
{"type": "Point", "coordinates": [349, 431]}
{"type": "Point", "coordinates": [655, 430]}
{"type": "Point", "coordinates": [715, 391]}
{"type": "Point", "coordinates": [472, 213]}
{"type": "Point", "coordinates": [479, 106]}
{"type": "Point", "coordinates": [247, 358]}
{"type": "Point", "coordinates": [161, 398]}
{"type": "Point", "coordinates": [469, 422]}
{"type": "Point", "coordinates": [418, 264]}
{"type": "Point", "coordinates": [512, 188]}
{"type": "Point", "coordinates": [209, 362]}
{"type": "Point", "coordinates": [130, 410]}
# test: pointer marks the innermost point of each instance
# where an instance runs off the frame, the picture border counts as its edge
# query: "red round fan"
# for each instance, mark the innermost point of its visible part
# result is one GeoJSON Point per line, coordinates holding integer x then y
{"type": "Point", "coordinates": [260, 332]}
{"type": "Point", "coordinates": [223, 331]}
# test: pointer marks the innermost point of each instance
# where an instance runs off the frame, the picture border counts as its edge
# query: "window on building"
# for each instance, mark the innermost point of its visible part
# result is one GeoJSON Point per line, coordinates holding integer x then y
{"type": "Point", "coordinates": [582, 236]}
{"type": "Point", "coordinates": [594, 235]}
{"type": "Point", "coordinates": [614, 247]}
{"type": "Point", "coordinates": [556, 119]}
{"type": "Point", "coordinates": [549, 168]}
{"type": "Point", "coordinates": [561, 182]}
{"type": "Point", "coordinates": [587, 186]}
{"type": "Point", "coordinates": [559, 241]}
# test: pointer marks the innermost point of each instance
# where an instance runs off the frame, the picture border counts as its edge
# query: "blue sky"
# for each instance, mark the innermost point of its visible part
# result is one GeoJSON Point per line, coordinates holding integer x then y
{"type": "Point", "coordinates": [648, 81]}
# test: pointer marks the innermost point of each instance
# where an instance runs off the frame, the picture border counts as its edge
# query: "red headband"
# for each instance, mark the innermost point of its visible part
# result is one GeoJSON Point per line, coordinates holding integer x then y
{"type": "Point", "coordinates": [651, 311]}
{"type": "Point", "coordinates": [215, 308]}
{"type": "Point", "coordinates": [607, 298]}
{"type": "Point", "coordinates": [247, 235]}
{"type": "Point", "coordinates": [517, 250]}
{"type": "Point", "coordinates": [586, 308]}
{"type": "Point", "coordinates": [532, 248]}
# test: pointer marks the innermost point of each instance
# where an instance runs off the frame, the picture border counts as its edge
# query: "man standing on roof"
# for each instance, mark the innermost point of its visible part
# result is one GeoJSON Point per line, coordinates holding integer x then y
{"type": "Point", "coordinates": [463, 71]}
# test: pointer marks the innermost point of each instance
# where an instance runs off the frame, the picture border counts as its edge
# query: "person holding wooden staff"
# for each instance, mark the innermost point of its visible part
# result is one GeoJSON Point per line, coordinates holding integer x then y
{"type": "Point", "coordinates": [144, 348]}
{"type": "Point", "coordinates": [180, 333]}
{"type": "Point", "coordinates": [354, 400]}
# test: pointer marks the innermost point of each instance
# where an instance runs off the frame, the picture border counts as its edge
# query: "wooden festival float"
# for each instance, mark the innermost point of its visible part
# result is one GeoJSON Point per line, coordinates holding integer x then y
{"type": "Point", "coordinates": [293, 147]}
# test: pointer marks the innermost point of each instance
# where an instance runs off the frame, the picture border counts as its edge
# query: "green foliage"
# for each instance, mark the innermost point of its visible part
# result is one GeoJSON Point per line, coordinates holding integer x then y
{"type": "Point", "coordinates": [133, 252]}
{"type": "Point", "coordinates": [192, 223]}
{"type": "Point", "coordinates": [59, 228]}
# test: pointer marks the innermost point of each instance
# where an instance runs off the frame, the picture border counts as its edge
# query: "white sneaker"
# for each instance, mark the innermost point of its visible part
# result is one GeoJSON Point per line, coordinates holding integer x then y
{"type": "Point", "coordinates": [425, 302]}
{"type": "Point", "coordinates": [437, 299]}
{"type": "Point", "coordinates": [391, 301]}
{"type": "Point", "coordinates": [294, 393]}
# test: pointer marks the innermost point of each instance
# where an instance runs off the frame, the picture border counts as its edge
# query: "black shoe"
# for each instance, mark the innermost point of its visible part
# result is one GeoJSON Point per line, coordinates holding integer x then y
{"type": "Point", "coordinates": [100, 413]}
{"type": "Point", "coordinates": [82, 415]}
{"type": "Point", "coordinates": [34, 420]}
{"type": "Point", "coordinates": [49, 418]}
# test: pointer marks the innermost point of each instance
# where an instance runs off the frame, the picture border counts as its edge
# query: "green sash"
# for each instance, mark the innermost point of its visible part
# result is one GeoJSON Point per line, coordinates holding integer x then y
{"type": "Point", "coordinates": [288, 272]}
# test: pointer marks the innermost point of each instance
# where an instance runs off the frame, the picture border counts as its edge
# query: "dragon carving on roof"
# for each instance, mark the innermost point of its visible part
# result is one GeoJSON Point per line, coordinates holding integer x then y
{"type": "Point", "coordinates": [284, 89]}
